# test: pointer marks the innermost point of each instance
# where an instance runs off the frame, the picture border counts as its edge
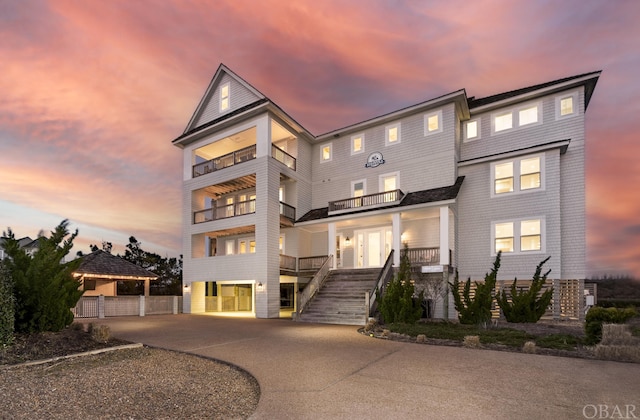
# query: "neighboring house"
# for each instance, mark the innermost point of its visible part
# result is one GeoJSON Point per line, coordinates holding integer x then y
{"type": "Point", "coordinates": [457, 179]}
{"type": "Point", "coordinates": [26, 243]}
{"type": "Point", "coordinates": [100, 273]}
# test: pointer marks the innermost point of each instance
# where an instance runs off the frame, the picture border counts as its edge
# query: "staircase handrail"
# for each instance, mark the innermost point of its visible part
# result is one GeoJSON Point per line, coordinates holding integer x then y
{"type": "Point", "coordinates": [381, 283]}
{"type": "Point", "coordinates": [309, 291]}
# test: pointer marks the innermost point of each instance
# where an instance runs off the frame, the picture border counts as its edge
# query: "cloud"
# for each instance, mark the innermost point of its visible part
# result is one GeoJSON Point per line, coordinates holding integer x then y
{"type": "Point", "coordinates": [94, 92]}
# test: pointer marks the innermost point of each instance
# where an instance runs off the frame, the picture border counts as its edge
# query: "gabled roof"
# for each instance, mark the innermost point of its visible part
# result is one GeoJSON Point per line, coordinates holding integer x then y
{"type": "Point", "coordinates": [433, 195]}
{"type": "Point", "coordinates": [261, 104]}
{"type": "Point", "coordinates": [589, 80]}
{"type": "Point", "coordinates": [222, 69]}
{"type": "Point", "coordinates": [101, 264]}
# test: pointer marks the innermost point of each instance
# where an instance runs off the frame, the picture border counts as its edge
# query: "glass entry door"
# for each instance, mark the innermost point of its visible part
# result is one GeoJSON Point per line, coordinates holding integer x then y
{"type": "Point", "coordinates": [372, 247]}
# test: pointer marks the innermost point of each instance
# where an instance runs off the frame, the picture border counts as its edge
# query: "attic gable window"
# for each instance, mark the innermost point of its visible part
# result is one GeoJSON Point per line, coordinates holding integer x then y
{"type": "Point", "coordinates": [224, 97]}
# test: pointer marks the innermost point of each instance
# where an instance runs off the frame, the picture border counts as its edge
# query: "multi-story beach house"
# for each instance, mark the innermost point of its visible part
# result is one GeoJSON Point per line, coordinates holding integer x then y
{"type": "Point", "coordinates": [272, 212]}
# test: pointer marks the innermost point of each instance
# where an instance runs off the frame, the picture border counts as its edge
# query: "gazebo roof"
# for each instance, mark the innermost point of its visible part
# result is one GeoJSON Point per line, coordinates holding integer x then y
{"type": "Point", "coordinates": [100, 264]}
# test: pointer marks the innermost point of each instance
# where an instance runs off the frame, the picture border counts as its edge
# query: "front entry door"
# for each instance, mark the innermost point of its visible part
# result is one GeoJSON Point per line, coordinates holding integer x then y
{"type": "Point", "coordinates": [372, 247]}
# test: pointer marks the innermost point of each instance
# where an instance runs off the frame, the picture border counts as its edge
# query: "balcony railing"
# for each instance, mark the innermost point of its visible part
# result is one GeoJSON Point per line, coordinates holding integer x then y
{"type": "Point", "coordinates": [423, 256]}
{"type": "Point", "coordinates": [283, 157]}
{"type": "Point", "coordinates": [287, 211]}
{"type": "Point", "coordinates": [221, 162]}
{"type": "Point", "coordinates": [355, 203]}
{"type": "Point", "coordinates": [288, 262]}
{"type": "Point", "coordinates": [237, 209]}
{"type": "Point", "coordinates": [223, 212]}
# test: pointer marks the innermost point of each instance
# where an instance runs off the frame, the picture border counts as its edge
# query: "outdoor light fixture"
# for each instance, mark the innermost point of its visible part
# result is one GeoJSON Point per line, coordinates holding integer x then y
{"type": "Point", "coordinates": [260, 287]}
{"type": "Point", "coordinates": [347, 241]}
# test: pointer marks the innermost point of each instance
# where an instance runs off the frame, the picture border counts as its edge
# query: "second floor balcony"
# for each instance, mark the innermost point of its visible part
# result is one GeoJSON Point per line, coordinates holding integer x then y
{"type": "Point", "coordinates": [363, 202]}
{"type": "Point", "coordinates": [287, 212]}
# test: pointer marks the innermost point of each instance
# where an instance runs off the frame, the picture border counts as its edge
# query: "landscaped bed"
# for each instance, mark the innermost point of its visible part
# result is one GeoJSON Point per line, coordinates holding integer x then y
{"type": "Point", "coordinates": [550, 338]}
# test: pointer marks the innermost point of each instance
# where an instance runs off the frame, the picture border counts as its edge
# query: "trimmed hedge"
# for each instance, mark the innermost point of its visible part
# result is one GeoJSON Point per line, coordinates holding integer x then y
{"type": "Point", "coordinates": [598, 316]}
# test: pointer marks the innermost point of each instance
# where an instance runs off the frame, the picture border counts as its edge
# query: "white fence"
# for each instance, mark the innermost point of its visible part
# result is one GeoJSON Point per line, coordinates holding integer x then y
{"type": "Point", "coordinates": [106, 306]}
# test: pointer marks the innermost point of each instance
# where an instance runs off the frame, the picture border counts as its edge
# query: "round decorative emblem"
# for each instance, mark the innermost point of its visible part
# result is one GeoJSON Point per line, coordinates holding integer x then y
{"type": "Point", "coordinates": [374, 159]}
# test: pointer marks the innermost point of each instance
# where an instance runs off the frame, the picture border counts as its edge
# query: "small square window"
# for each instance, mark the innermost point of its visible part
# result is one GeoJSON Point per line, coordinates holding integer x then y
{"type": "Point", "coordinates": [566, 106]}
{"type": "Point", "coordinates": [503, 122]}
{"type": "Point", "coordinates": [528, 115]}
{"type": "Point", "coordinates": [433, 123]}
{"type": "Point", "coordinates": [392, 134]}
{"type": "Point", "coordinates": [471, 129]}
{"type": "Point", "coordinates": [89, 284]}
{"type": "Point", "coordinates": [325, 153]}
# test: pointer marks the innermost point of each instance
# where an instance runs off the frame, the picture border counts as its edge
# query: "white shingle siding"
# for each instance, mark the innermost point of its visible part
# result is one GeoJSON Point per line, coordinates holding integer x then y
{"type": "Point", "coordinates": [561, 203]}
{"type": "Point", "coordinates": [423, 162]}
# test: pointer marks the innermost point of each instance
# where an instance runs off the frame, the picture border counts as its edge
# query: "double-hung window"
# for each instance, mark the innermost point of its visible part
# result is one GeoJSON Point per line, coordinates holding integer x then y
{"type": "Point", "coordinates": [325, 153]}
{"type": "Point", "coordinates": [357, 144]}
{"type": "Point", "coordinates": [517, 175]}
{"type": "Point", "coordinates": [392, 134]}
{"type": "Point", "coordinates": [518, 236]}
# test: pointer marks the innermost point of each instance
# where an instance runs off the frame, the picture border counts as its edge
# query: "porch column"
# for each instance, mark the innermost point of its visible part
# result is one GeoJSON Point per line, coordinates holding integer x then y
{"type": "Point", "coordinates": [444, 236]}
{"type": "Point", "coordinates": [147, 282]}
{"type": "Point", "coordinates": [396, 235]}
{"type": "Point", "coordinates": [332, 244]}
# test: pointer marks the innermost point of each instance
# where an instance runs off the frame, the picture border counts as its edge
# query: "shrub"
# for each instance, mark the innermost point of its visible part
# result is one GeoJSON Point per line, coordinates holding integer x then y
{"type": "Point", "coordinates": [7, 308]}
{"type": "Point", "coordinates": [526, 306]}
{"type": "Point", "coordinates": [44, 288]}
{"type": "Point", "coordinates": [397, 304]}
{"type": "Point", "coordinates": [598, 316]}
{"type": "Point", "coordinates": [476, 309]}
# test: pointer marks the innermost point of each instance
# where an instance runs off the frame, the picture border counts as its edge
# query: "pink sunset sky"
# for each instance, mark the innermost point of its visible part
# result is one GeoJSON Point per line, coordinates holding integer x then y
{"type": "Point", "coordinates": [93, 92]}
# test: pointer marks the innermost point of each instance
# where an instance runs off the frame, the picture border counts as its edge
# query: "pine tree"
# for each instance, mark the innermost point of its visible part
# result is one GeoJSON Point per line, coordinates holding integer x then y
{"type": "Point", "coordinates": [7, 309]}
{"type": "Point", "coordinates": [398, 304]}
{"type": "Point", "coordinates": [476, 309]}
{"type": "Point", "coordinates": [44, 287]}
{"type": "Point", "coordinates": [526, 306]}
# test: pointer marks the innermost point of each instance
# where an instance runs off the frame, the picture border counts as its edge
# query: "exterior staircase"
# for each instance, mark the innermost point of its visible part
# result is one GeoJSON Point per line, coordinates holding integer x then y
{"type": "Point", "coordinates": [341, 298]}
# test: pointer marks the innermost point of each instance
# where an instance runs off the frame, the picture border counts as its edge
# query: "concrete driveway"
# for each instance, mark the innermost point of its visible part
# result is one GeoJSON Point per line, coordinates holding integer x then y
{"type": "Point", "coordinates": [309, 371]}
